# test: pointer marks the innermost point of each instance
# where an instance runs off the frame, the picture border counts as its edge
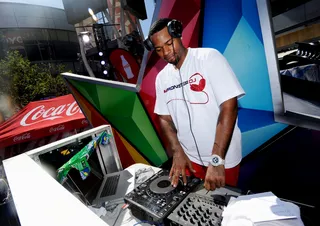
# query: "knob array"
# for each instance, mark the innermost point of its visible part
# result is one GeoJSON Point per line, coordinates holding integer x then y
{"type": "Point", "coordinates": [199, 210]}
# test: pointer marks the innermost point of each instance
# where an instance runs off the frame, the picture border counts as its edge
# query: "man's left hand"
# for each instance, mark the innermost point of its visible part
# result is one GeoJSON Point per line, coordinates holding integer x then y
{"type": "Point", "coordinates": [215, 177]}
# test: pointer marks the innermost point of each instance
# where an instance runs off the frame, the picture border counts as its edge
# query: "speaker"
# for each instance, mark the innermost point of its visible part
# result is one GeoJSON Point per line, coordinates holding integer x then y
{"type": "Point", "coordinates": [136, 7]}
{"type": "Point", "coordinates": [174, 29]}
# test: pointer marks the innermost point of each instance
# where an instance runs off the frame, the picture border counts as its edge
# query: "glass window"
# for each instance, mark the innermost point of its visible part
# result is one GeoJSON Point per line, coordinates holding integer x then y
{"type": "Point", "coordinates": [46, 52]}
{"type": "Point", "coordinates": [33, 52]}
{"type": "Point", "coordinates": [63, 36]}
{"type": "Point", "coordinates": [53, 35]}
{"type": "Point", "coordinates": [73, 37]}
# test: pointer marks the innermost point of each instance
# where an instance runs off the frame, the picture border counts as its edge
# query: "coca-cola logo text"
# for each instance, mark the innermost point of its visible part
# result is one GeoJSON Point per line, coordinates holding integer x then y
{"type": "Point", "coordinates": [22, 137]}
{"type": "Point", "coordinates": [40, 114]}
{"type": "Point", "coordinates": [56, 129]}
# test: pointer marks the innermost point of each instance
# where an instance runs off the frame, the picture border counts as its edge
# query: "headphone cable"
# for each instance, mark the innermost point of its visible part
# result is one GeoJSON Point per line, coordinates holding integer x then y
{"type": "Point", "coordinates": [189, 115]}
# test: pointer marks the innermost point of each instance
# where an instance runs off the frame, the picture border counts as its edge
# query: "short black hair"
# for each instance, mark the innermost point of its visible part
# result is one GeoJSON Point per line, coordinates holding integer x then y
{"type": "Point", "coordinates": [158, 25]}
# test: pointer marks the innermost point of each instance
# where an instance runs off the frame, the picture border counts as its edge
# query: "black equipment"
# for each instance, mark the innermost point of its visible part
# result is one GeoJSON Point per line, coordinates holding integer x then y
{"type": "Point", "coordinates": [174, 29]}
{"type": "Point", "coordinates": [155, 199]}
{"type": "Point", "coordinates": [136, 7]}
{"type": "Point", "coordinates": [199, 210]}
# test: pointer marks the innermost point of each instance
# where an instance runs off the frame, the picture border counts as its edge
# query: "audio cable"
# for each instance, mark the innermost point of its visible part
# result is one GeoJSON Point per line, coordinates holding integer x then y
{"type": "Point", "coordinates": [189, 115]}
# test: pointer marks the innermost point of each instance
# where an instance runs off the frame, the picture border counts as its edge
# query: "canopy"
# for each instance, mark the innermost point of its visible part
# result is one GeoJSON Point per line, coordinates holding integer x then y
{"type": "Point", "coordinates": [42, 118]}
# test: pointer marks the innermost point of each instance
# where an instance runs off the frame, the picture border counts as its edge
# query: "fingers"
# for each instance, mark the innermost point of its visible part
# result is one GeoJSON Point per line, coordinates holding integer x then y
{"type": "Point", "coordinates": [184, 177]}
{"type": "Point", "coordinates": [173, 168]}
{"type": "Point", "coordinates": [190, 166]}
{"type": "Point", "coordinates": [175, 178]}
{"type": "Point", "coordinates": [213, 183]}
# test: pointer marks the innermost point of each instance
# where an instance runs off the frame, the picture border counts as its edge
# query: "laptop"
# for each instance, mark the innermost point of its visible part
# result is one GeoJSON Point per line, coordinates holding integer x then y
{"type": "Point", "coordinates": [113, 188]}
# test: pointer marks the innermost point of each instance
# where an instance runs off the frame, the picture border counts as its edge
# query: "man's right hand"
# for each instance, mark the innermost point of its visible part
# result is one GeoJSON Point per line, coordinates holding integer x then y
{"type": "Point", "coordinates": [179, 164]}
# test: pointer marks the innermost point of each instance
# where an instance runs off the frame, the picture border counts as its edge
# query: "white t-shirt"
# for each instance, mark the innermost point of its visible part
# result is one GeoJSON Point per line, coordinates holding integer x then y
{"type": "Point", "coordinates": [207, 81]}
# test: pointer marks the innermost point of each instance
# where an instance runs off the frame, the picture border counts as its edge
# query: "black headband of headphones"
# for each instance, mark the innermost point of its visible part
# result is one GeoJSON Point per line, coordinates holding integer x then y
{"type": "Point", "coordinates": [174, 30]}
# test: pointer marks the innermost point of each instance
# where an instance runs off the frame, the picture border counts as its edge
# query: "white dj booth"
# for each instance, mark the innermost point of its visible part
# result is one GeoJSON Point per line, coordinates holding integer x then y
{"type": "Point", "coordinates": [41, 200]}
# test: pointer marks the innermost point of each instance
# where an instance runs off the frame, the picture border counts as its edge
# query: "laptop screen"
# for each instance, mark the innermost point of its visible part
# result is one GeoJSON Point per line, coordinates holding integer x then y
{"type": "Point", "coordinates": [120, 105]}
{"type": "Point", "coordinates": [80, 176]}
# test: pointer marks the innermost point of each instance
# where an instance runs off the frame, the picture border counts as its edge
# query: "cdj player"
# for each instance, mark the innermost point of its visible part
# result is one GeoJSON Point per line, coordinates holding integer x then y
{"type": "Point", "coordinates": [156, 198]}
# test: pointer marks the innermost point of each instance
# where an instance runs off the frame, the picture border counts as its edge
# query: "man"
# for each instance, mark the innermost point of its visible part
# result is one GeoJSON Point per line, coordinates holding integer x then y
{"type": "Point", "coordinates": [196, 100]}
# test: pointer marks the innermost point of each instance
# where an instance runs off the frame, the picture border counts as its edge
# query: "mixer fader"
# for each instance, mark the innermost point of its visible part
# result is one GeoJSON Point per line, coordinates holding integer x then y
{"type": "Point", "coordinates": [197, 209]}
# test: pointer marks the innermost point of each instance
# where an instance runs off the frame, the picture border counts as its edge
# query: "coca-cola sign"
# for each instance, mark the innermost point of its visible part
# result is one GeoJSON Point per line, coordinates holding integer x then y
{"type": "Point", "coordinates": [40, 114]}
{"type": "Point", "coordinates": [56, 129]}
{"type": "Point", "coordinates": [22, 137]}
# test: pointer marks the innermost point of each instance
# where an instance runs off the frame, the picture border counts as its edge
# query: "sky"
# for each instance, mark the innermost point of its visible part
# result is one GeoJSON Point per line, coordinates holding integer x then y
{"type": "Point", "coordinates": [145, 24]}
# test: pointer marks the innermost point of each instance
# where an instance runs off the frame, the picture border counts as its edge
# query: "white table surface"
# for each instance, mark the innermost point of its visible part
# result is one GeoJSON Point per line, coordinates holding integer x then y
{"type": "Point", "coordinates": [41, 200]}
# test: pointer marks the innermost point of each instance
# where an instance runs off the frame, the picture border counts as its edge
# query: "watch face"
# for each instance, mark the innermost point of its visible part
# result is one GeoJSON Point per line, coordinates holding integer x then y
{"type": "Point", "coordinates": [215, 160]}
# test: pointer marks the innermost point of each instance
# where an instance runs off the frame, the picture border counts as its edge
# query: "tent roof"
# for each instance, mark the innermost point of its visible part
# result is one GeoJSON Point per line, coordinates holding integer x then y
{"type": "Point", "coordinates": [42, 118]}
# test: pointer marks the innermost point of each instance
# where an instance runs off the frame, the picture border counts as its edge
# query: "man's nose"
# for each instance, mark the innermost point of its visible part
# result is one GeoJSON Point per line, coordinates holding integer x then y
{"type": "Point", "coordinates": [166, 50]}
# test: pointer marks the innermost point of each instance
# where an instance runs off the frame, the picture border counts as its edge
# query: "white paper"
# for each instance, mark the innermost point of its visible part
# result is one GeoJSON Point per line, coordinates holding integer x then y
{"type": "Point", "coordinates": [256, 208]}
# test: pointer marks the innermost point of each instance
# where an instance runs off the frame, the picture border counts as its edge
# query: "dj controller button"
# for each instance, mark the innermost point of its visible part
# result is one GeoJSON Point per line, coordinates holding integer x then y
{"type": "Point", "coordinates": [185, 217]}
{"type": "Point", "coordinates": [216, 214]}
{"type": "Point", "coordinates": [179, 213]}
{"type": "Point", "coordinates": [208, 212]}
{"type": "Point", "coordinates": [192, 221]}
{"type": "Point", "coordinates": [195, 216]}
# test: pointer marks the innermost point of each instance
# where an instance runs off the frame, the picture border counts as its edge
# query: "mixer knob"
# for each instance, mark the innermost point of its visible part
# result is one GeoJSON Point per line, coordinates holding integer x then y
{"type": "Point", "coordinates": [203, 220]}
{"type": "Point", "coordinates": [208, 212]}
{"type": "Point", "coordinates": [185, 206]}
{"type": "Point", "coordinates": [193, 206]}
{"type": "Point", "coordinates": [199, 223]}
{"type": "Point", "coordinates": [216, 214]}
{"type": "Point", "coordinates": [179, 213]}
{"type": "Point", "coordinates": [197, 212]}
{"type": "Point", "coordinates": [211, 223]}
{"type": "Point", "coordinates": [200, 209]}
{"type": "Point", "coordinates": [185, 218]}
{"type": "Point", "coordinates": [183, 210]}
{"type": "Point", "coordinates": [195, 216]}
{"type": "Point", "coordinates": [192, 221]}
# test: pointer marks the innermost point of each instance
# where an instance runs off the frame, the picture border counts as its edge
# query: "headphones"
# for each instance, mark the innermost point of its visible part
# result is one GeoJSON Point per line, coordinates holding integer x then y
{"type": "Point", "coordinates": [174, 30]}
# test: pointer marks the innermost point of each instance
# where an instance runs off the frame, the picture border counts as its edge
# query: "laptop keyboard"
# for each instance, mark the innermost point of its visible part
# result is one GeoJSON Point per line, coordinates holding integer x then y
{"type": "Point", "coordinates": [110, 187]}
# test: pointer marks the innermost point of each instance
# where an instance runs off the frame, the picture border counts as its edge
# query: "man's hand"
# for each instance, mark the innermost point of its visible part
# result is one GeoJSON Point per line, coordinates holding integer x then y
{"type": "Point", "coordinates": [179, 164]}
{"type": "Point", "coordinates": [215, 177]}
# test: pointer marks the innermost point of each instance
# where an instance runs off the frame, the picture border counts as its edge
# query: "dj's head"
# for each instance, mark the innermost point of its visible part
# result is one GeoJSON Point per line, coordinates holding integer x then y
{"type": "Point", "coordinates": [165, 38]}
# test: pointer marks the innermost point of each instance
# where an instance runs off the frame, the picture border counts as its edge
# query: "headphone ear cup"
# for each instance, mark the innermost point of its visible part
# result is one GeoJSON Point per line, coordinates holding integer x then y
{"type": "Point", "coordinates": [148, 44]}
{"type": "Point", "coordinates": [200, 87]}
{"type": "Point", "coordinates": [175, 28]}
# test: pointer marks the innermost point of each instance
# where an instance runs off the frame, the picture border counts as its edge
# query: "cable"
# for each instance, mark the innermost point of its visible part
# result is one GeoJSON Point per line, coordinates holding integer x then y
{"type": "Point", "coordinates": [125, 206]}
{"type": "Point", "coordinates": [148, 222]}
{"type": "Point", "coordinates": [189, 115]}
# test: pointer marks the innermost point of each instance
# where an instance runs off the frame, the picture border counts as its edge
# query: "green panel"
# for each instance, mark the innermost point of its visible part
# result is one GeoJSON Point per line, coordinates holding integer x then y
{"type": "Point", "coordinates": [139, 116]}
{"type": "Point", "coordinates": [123, 109]}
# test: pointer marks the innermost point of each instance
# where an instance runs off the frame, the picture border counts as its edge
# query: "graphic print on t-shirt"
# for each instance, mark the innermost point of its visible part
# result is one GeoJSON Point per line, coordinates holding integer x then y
{"type": "Point", "coordinates": [197, 84]}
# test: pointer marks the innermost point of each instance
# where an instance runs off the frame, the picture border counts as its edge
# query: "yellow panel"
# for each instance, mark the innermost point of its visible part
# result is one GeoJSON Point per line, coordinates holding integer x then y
{"type": "Point", "coordinates": [134, 154]}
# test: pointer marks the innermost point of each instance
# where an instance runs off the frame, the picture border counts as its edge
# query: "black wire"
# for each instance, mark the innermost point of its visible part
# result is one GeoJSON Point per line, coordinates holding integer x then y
{"type": "Point", "coordinates": [115, 221]}
{"type": "Point", "coordinates": [189, 115]}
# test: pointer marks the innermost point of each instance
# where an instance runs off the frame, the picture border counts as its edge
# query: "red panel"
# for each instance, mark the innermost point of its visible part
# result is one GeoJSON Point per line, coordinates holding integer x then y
{"type": "Point", "coordinates": [188, 12]}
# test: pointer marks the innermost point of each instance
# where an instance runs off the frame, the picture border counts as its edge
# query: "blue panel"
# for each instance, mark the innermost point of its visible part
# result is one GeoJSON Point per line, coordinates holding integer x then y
{"type": "Point", "coordinates": [245, 54]}
{"type": "Point", "coordinates": [221, 17]}
{"type": "Point", "coordinates": [249, 119]}
{"type": "Point", "coordinates": [255, 138]}
{"type": "Point", "coordinates": [250, 12]}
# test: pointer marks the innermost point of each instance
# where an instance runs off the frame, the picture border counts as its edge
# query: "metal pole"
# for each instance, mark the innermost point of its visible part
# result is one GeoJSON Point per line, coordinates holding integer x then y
{"type": "Point", "coordinates": [84, 58]}
{"type": "Point", "coordinates": [122, 25]}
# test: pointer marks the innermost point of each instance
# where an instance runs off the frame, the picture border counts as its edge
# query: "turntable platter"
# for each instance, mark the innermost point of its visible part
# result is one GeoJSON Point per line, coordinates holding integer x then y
{"type": "Point", "coordinates": [161, 185]}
